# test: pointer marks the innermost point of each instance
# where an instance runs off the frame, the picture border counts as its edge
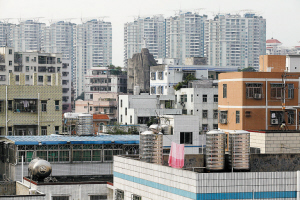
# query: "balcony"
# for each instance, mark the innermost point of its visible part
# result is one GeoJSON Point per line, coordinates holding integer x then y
{"type": "Point", "coordinates": [25, 105]}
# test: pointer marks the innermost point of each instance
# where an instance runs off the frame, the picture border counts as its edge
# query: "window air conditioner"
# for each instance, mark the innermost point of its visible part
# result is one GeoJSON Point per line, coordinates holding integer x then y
{"type": "Point", "coordinates": [223, 121]}
{"type": "Point", "coordinates": [274, 121]}
{"type": "Point", "coordinates": [257, 96]}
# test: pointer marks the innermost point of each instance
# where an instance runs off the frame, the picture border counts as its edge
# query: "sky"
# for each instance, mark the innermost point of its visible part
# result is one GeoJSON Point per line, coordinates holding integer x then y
{"type": "Point", "coordinates": [282, 16]}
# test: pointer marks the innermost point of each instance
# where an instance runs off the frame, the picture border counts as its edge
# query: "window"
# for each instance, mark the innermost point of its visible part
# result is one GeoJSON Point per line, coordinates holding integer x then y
{"type": "Point", "coordinates": [215, 126]}
{"type": "Point", "coordinates": [10, 63]}
{"type": "Point", "coordinates": [192, 97]}
{"type": "Point", "coordinates": [64, 156]}
{"type": "Point", "coordinates": [291, 117]}
{"type": "Point", "coordinates": [97, 154]}
{"type": "Point", "coordinates": [40, 79]}
{"type": "Point", "coordinates": [204, 114]}
{"type": "Point", "coordinates": [160, 75]}
{"type": "Point", "coordinates": [58, 69]}
{"type": "Point", "coordinates": [91, 108]}
{"type": "Point", "coordinates": [44, 106]}
{"type": "Point", "coordinates": [153, 76]}
{"type": "Point", "coordinates": [27, 68]}
{"type": "Point", "coordinates": [290, 91]}
{"type": "Point", "coordinates": [121, 118]}
{"type": "Point", "coordinates": [17, 77]}
{"type": "Point", "coordinates": [186, 138]}
{"type": "Point", "coordinates": [205, 127]}
{"type": "Point", "coordinates": [276, 90]}
{"type": "Point", "coordinates": [10, 105]}
{"type": "Point", "coordinates": [216, 98]}
{"type": "Point", "coordinates": [153, 90]}
{"type": "Point", "coordinates": [184, 111]}
{"type": "Point", "coordinates": [10, 51]}
{"type": "Point", "coordinates": [130, 119]}
{"type": "Point", "coordinates": [27, 77]}
{"type": "Point", "coordinates": [204, 98]}
{"type": "Point", "coordinates": [56, 104]}
{"type": "Point", "coordinates": [58, 60]}
{"type": "Point", "coordinates": [49, 78]}
{"type": "Point", "coordinates": [119, 194]}
{"type": "Point", "coordinates": [56, 129]}
{"type": "Point", "coordinates": [277, 117]}
{"type": "Point", "coordinates": [254, 90]}
{"type": "Point", "coordinates": [215, 114]}
{"type": "Point", "coordinates": [27, 59]}
{"type": "Point", "coordinates": [192, 112]}
{"type": "Point", "coordinates": [237, 116]}
{"type": "Point", "coordinates": [224, 90]}
{"type": "Point", "coordinates": [98, 197]}
{"type": "Point", "coordinates": [125, 111]}
{"type": "Point", "coordinates": [44, 130]}
{"type": "Point", "coordinates": [121, 103]}
{"type": "Point", "coordinates": [223, 117]}
{"type": "Point", "coordinates": [136, 197]}
{"type": "Point", "coordinates": [183, 98]}
{"type": "Point", "coordinates": [60, 197]}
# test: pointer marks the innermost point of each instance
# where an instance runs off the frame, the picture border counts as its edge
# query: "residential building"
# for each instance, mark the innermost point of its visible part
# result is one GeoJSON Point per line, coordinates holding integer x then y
{"type": "Point", "coordinates": [31, 109]}
{"type": "Point", "coordinates": [141, 109]}
{"type": "Point", "coordinates": [235, 40]}
{"type": "Point", "coordinates": [5, 34]}
{"type": "Point", "coordinates": [101, 103]}
{"type": "Point", "coordinates": [58, 38]}
{"type": "Point", "coordinates": [163, 78]}
{"type": "Point", "coordinates": [147, 32]}
{"type": "Point", "coordinates": [138, 71]}
{"type": "Point", "coordinates": [44, 64]}
{"type": "Point", "coordinates": [273, 47]}
{"type": "Point", "coordinates": [258, 101]}
{"type": "Point", "coordinates": [68, 155]}
{"type": "Point", "coordinates": [200, 100]}
{"type": "Point", "coordinates": [104, 80]}
{"type": "Point", "coordinates": [185, 36]}
{"type": "Point", "coordinates": [182, 129]}
{"type": "Point", "coordinates": [92, 48]}
{"type": "Point", "coordinates": [272, 63]}
{"type": "Point", "coordinates": [66, 81]}
{"type": "Point", "coordinates": [27, 35]}
{"type": "Point", "coordinates": [293, 63]}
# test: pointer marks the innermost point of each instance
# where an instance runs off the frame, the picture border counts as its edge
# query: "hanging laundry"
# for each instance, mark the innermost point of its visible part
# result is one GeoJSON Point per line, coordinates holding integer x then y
{"type": "Point", "coordinates": [176, 157]}
{"type": "Point", "coordinates": [26, 104]}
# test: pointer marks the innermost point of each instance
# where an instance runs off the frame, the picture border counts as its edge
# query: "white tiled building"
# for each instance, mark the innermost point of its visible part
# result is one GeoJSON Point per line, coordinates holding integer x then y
{"type": "Point", "coordinates": [201, 101]}
{"type": "Point", "coordinates": [138, 109]}
{"type": "Point", "coordinates": [149, 31]}
{"type": "Point", "coordinates": [234, 40]}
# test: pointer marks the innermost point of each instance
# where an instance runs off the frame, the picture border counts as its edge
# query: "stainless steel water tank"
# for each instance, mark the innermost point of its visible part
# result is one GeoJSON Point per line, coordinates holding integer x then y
{"type": "Point", "coordinates": [215, 150]}
{"type": "Point", "coordinates": [151, 147]}
{"type": "Point", "coordinates": [239, 150]}
{"type": "Point", "coordinates": [39, 168]}
{"type": "Point", "coordinates": [85, 124]}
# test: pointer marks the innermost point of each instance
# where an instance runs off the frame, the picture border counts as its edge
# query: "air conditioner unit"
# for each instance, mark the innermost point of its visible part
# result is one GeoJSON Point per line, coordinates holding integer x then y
{"type": "Point", "coordinates": [274, 121]}
{"type": "Point", "coordinates": [257, 96]}
{"type": "Point", "coordinates": [223, 121]}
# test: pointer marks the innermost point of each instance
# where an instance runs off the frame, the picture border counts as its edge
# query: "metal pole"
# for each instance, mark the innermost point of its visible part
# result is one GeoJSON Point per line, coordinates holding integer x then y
{"type": "Point", "coordinates": [22, 169]}
{"type": "Point", "coordinates": [38, 110]}
{"type": "Point", "coordinates": [6, 111]}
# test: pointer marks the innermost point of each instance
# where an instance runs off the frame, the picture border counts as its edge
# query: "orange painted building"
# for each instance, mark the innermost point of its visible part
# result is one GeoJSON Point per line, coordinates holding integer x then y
{"type": "Point", "coordinates": [255, 101]}
{"type": "Point", "coordinates": [272, 63]}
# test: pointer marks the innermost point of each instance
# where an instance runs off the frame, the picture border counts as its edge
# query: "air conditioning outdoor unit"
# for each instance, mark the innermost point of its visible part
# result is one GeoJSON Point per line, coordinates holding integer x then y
{"type": "Point", "coordinates": [223, 121]}
{"type": "Point", "coordinates": [257, 96]}
{"type": "Point", "coordinates": [274, 121]}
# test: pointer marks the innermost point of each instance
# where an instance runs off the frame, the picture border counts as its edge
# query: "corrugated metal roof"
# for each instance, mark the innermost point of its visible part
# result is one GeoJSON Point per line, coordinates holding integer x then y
{"type": "Point", "coordinates": [53, 140]}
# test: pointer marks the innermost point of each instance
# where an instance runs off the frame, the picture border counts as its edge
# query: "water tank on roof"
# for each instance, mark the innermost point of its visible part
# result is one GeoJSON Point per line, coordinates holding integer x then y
{"type": "Point", "coordinates": [85, 124]}
{"type": "Point", "coordinates": [239, 150]}
{"type": "Point", "coordinates": [215, 150]}
{"type": "Point", "coordinates": [39, 169]}
{"type": "Point", "coordinates": [151, 147]}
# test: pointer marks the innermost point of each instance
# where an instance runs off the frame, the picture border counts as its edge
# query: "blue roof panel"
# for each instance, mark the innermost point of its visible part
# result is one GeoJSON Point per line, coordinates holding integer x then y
{"type": "Point", "coordinates": [52, 140]}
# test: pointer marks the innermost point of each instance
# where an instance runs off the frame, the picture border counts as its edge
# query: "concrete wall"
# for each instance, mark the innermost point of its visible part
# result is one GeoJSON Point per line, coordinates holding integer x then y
{"type": "Point", "coordinates": [7, 188]}
{"type": "Point", "coordinates": [274, 143]}
{"type": "Point", "coordinates": [191, 162]}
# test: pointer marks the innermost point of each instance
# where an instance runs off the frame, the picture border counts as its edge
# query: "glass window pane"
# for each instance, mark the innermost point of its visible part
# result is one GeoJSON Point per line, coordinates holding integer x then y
{"type": "Point", "coordinates": [97, 155]}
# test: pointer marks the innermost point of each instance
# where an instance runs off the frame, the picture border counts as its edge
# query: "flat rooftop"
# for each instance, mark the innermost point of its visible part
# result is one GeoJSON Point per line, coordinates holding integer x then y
{"type": "Point", "coordinates": [59, 139]}
{"type": "Point", "coordinates": [100, 179]}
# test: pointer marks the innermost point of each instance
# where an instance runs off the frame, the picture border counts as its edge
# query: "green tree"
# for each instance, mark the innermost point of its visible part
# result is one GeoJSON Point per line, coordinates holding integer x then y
{"type": "Point", "coordinates": [186, 81]}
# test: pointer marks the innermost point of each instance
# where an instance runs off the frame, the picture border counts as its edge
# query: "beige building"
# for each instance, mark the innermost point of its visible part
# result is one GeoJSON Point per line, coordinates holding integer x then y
{"type": "Point", "coordinates": [31, 109]}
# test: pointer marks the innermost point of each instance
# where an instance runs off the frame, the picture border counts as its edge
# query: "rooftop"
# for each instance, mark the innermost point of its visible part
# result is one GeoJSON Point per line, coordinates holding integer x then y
{"type": "Point", "coordinates": [58, 139]}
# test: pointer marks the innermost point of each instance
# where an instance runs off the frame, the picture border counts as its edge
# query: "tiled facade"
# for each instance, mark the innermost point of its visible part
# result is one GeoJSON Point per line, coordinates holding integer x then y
{"type": "Point", "coordinates": [31, 109]}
